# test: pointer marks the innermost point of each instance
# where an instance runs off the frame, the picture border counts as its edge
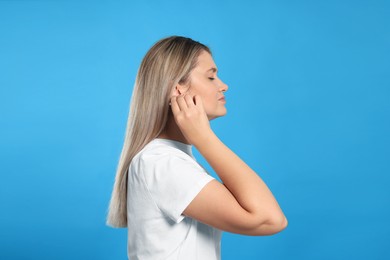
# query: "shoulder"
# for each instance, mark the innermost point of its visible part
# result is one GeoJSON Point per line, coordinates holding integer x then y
{"type": "Point", "coordinates": [156, 153]}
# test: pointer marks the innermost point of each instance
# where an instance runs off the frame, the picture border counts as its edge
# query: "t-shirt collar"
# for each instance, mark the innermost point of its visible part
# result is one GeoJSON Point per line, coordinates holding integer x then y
{"type": "Point", "coordinates": [187, 148]}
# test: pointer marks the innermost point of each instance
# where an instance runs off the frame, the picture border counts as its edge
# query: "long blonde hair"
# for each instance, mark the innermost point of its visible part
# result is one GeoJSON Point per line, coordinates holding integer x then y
{"type": "Point", "coordinates": [168, 63]}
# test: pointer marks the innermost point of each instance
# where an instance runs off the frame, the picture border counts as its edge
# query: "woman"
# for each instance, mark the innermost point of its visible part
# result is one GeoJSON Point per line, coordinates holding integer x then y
{"type": "Point", "coordinates": [173, 209]}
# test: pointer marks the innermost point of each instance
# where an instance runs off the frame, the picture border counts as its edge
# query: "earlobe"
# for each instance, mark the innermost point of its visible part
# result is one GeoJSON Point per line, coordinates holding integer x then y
{"type": "Point", "coordinates": [175, 91]}
{"type": "Point", "coordinates": [179, 90]}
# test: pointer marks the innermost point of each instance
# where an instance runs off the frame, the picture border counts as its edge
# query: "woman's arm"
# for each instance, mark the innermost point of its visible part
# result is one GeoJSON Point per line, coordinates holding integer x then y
{"type": "Point", "coordinates": [243, 203]}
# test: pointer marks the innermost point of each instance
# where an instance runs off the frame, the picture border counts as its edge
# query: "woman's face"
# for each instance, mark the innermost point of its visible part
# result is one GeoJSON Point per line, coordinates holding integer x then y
{"type": "Point", "coordinates": [206, 84]}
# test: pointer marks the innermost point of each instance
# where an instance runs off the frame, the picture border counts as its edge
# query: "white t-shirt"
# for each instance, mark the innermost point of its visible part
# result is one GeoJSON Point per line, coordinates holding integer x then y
{"type": "Point", "coordinates": [163, 179]}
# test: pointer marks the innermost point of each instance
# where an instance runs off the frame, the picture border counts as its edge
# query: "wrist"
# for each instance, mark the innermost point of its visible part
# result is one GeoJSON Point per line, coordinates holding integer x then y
{"type": "Point", "coordinates": [205, 140]}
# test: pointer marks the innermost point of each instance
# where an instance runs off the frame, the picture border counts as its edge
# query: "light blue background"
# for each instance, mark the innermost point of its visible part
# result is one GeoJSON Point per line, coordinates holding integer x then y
{"type": "Point", "coordinates": [308, 109]}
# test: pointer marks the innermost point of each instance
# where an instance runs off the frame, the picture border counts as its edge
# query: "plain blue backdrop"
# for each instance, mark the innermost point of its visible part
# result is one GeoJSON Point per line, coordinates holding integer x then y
{"type": "Point", "coordinates": [308, 109]}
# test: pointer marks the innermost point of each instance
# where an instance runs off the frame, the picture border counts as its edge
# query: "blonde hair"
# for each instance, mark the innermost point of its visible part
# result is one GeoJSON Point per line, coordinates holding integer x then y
{"type": "Point", "coordinates": [168, 63]}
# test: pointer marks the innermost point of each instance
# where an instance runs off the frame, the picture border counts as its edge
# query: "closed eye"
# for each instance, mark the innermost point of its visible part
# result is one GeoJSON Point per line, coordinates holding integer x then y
{"type": "Point", "coordinates": [211, 78]}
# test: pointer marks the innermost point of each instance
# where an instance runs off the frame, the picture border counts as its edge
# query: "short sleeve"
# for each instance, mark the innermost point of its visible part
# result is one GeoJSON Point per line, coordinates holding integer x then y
{"type": "Point", "coordinates": [173, 181]}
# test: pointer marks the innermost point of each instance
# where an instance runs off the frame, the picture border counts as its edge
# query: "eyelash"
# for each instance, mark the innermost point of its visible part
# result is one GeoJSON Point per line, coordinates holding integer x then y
{"type": "Point", "coordinates": [211, 78]}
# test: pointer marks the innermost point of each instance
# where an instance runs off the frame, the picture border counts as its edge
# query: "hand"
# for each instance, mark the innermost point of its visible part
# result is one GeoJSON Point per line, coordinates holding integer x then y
{"type": "Point", "coordinates": [191, 118]}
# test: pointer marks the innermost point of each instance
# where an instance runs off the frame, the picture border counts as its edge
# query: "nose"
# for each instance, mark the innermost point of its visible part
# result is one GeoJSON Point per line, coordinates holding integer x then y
{"type": "Point", "coordinates": [223, 87]}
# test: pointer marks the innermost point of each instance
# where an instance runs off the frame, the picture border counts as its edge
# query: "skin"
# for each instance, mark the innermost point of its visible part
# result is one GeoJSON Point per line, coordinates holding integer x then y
{"type": "Point", "coordinates": [204, 83]}
{"type": "Point", "coordinates": [242, 203]}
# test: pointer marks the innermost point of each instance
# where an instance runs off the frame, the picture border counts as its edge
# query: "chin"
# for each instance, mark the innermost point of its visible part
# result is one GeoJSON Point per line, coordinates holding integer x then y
{"type": "Point", "coordinates": [216, 115]}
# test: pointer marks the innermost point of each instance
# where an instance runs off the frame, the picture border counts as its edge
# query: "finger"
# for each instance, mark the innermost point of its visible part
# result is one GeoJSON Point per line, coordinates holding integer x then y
{"type": "Point", "coordinates": [175, 107]}
{"type": "Point", "coordinates": [189, 100]}
{"type": "Point", "coordinates": [181, 102]}
{"type": "Point", "coordinates": [198, 102]}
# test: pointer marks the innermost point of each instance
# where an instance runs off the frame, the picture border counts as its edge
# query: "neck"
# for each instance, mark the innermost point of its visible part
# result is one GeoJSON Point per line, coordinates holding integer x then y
{"type": "Point", "coordinates": [172, 131]}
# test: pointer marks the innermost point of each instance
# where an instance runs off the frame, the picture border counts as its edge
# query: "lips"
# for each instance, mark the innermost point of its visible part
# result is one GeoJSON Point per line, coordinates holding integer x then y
{"type": "Point", "coordinates": [222, 99]}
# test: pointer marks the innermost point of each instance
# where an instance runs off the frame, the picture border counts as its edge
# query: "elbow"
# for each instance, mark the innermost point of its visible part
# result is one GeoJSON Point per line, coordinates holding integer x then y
{"type": "Point", "coordinates": [270, 226]}
{"type": "Point", "coordinates": [277, 224]}
{"type": "Point", "coordinates": [283, 223]}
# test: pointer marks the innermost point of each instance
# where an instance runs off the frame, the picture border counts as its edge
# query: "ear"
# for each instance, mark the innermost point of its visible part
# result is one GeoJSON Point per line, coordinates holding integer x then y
{"type": "Point", "coordinates": [179, 89]}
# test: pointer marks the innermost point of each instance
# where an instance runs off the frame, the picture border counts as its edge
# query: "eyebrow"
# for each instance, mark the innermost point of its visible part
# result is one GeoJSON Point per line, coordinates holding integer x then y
{"type": "Point", "coordinates": [213, 69]}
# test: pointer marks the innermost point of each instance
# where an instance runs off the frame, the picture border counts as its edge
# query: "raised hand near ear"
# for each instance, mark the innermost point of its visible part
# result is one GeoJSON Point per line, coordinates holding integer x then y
{"type": "Point", "coordinates": [242, 203]}
{"type": "Point", "coordinates": [191, 118]}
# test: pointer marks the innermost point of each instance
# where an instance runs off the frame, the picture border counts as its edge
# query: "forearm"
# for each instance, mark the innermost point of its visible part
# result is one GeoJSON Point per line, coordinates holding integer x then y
{"type": "Point", "coordinates": [246, 186]}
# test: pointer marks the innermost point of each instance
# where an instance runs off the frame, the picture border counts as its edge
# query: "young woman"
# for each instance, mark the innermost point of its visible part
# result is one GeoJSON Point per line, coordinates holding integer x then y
{"type": "Point", "coordinates": [173, 209]}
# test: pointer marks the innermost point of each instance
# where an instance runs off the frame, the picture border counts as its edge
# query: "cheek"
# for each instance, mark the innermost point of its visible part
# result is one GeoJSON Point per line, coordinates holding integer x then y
{"type": "Point", "coordinates": [206, 90]}
{"type": "Point", "coordinates": [210, 104]}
